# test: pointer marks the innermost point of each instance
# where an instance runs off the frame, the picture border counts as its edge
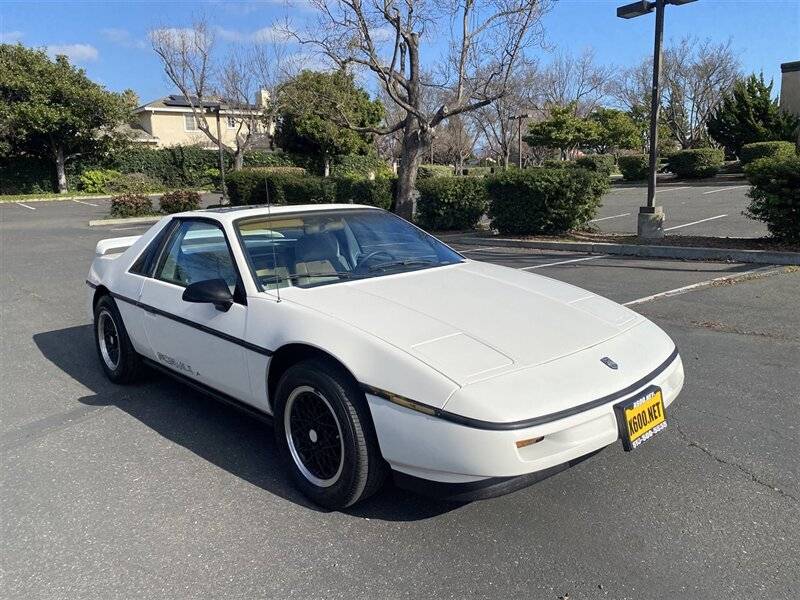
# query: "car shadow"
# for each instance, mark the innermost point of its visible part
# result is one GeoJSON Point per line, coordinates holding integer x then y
{"type": "Point", "coordinates": [218, 433]}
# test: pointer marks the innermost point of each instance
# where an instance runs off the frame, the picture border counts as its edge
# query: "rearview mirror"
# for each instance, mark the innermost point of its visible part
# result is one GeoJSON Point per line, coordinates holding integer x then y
{"type": "Point", "coordinates": [210, 291]}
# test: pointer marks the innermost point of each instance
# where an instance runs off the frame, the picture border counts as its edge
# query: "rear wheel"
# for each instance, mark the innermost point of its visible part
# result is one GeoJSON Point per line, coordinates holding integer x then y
{"type": "Point", "coordinates": [325, 435]}
{"type": "Point", "coordinates": [119, 360]}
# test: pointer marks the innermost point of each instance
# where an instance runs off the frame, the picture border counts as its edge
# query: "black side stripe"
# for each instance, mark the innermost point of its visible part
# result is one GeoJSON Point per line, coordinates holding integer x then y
{"type": "Point", "coordinates": [495, 426]}
{"type": "Point", "coordinates": [209, 330]}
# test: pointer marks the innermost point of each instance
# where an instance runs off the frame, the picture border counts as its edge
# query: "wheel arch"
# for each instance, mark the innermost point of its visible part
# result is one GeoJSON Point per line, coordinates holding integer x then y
{"type": "Point", "coordinates": [292, 353]}
{"type": "Point", "coordinates": [99, 292]}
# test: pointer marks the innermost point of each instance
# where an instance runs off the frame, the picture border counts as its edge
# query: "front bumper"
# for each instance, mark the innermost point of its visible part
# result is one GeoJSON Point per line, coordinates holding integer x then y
{"type": "Point", "coordinates": [427, 447]}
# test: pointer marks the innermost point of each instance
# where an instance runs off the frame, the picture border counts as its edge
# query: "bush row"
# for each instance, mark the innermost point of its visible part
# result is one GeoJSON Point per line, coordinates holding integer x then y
{"type": "Point", "coordinates": [160, 168]}
{"type": "Point", "coordinates": [751, 152]}
{"type": "Point", "coordinates": [530, 201]}
{"type": "Point", "coordinates": [775, 195]}
{"type": "Point", "coordinates": [696, 163]}
{"type": "Point", "coordinates": [136, 204]}
{"type": "Point", "coordinates": [257, 186]}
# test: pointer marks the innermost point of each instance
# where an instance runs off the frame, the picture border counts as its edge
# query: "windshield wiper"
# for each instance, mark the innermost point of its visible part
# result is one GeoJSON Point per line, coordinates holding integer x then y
{"type": "Point", "coordinates": [296, 276]}
{"type": "Point", "coordinates": [409, 262]}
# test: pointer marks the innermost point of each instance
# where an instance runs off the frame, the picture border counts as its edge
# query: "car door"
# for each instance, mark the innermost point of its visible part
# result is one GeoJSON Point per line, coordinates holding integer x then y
{"type": "Point", "coordinates": [197, 340]}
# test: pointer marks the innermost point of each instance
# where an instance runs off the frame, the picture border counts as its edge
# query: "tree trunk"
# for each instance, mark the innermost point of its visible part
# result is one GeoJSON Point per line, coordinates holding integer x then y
{"type": "Point", "coordinates": [506, 158]}
{"type": "Point", "coordinates": [61, 174]}
{"type": "Point", "coordinates": [327, 167]}
{"type": "Point", "coordinates": [238, 160]}
{"type": "Point", "coordinates": [413, 147]}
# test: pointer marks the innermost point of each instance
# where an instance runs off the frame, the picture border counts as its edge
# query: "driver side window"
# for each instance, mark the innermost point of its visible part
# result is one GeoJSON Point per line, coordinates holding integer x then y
{"type": "Point", "coordinates": [196, 251]}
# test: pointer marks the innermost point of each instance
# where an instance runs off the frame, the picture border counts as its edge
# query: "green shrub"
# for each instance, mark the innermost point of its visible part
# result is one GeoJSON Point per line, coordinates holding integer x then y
{"type": "Point", "coordinates": [179, 201]}
{"type": "Point", "coordinates": [95, 181]}
{"type": "Point", "coordinates": [775, 195]}
{"type": "Point", "coordinates": [544, 201]}
{"type": "Point", "coordinates": [131, 205]}
{"type": "Point", "coordinates": [357, 166]}
{"type": "Point", "coordinates": [696, 163]}
{"type": "Point", "coordinates": [373, 192]}
{"type": "Point", "coordinates": [451, 202]}
{"type": "Point", "coordinates": [602, 163]}
{"type": "Point", "coordinates": [262, 158]}
{"type": "Point", "coordinates": [249, 186]}
{"type": "Point", "coordinates": [428, 171]}
{"type": "Point", "coordinates": [634, 167]}
{"type": "Point", "coordinates": [477, 171]}
{"type": "Point", "coordinates": [751, 152]}
{"type": "Point", "coordinates": [133, 183]}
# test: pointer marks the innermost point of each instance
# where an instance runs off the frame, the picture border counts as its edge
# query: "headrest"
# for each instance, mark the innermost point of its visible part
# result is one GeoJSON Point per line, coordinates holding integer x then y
{"type": "Point", "coordinates": [317, 246]}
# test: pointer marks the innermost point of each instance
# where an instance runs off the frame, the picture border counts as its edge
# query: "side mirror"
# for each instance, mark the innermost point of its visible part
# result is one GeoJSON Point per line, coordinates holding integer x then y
{"type": "Point", "coordinates": [210, 291]}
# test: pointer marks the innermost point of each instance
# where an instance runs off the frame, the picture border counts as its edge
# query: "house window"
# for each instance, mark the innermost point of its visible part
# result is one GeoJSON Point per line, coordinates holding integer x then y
{"type": "Point", "coordinates": [231, 123]}
{"type": "Point", "coordinates": [191, 122]}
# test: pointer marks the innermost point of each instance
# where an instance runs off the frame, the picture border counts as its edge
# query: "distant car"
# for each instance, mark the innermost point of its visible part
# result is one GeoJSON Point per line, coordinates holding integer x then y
{"type": "Point", "coordinates": [376, 348]}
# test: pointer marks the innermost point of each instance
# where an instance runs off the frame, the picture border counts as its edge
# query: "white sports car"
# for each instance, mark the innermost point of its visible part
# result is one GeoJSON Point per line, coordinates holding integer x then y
{"type": "Point", "coordinates": [376, 348]}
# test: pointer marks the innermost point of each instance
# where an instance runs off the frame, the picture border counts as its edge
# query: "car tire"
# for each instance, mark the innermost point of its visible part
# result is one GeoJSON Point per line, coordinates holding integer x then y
{"type": "Point", "coordinates": [325, 435]}
{"type": "Point", "coordinates": [118, 358]}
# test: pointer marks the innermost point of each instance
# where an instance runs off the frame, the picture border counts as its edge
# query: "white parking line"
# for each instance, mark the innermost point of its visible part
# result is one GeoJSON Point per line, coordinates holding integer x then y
{"type": "Point", "coordinates": [25, 205]}
{"type": "Point", "coordinates": [606, 218]}
{"type": "Point", "coordinates": [694, 222]}
{"type": "Point", "coordinates": [734, 187]}
{"type": "Point", "coordinates": [129, 228]}
{"type": "Point", "coordinates": [672, 189]}
{"type": "Point", "coordinates": [768, 270]}
{"type": "Point", "coordinates": [481, 249]}
{"type": "Point", "coordinates": [562, 262]}
{"type": "Point", "coordinates": [86, 203]}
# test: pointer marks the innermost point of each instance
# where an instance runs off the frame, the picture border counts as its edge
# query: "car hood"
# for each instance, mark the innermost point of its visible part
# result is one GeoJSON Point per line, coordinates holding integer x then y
{"type": "Point", "coordinates": [473, 321]}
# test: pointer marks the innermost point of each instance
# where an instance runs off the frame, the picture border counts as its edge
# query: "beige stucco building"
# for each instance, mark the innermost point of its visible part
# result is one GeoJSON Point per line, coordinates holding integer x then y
{"type": "Point", "coordinates": [790, 87]}
{"type": "Point", "coordinates": [169, 121]}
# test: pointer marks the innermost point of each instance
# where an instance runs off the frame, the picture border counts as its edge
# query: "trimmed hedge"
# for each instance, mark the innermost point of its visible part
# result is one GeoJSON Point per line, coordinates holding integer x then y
{"type": "Point", "coordinates": [451, 202]}
{"type": "Point", "coordinates": [634, 167]}
{"type": "Point", "coordinates": [132, 183]}
{"type": "Point", "coordinates": [358, 166]}
{"type": "Point", "coordinates": [601, 163]}
{"type": "Point", "coordinates": [543, 201]}
{"type": "Point", "coordinates": [428, 171]}
{"type": "Point", "coordinates": [775, 195]}
{"type": "Point", "coordinates": [373, 192]}
{"type": "Point", "coordinates": [696, 163]}
{"type": "Point", "coordinates": [756, 150]}
{"type": "Point", "coordinates": [179, 201]}
{"type": "Point", "coordinates": [131, 205]}
{"type": "Point", "coordinates": [249, 187]}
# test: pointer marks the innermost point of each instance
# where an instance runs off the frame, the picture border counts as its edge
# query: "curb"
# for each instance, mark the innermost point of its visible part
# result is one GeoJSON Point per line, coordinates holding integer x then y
{"type": "Point", "coordinates": [759, 257]}
{"type": "Point", "coordinates": [95, 197]}
{"type": "Point", "coordinates": [126, 220]}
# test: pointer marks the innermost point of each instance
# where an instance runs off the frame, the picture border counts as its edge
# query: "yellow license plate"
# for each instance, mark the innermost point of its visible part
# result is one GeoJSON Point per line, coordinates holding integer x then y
{"type": "Point", "coordinates": [641, 418]}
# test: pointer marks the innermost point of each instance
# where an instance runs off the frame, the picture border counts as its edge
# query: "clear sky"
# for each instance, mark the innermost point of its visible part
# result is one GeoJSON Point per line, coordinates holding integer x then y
{"type": "Point", "coordinates": [109, 39]}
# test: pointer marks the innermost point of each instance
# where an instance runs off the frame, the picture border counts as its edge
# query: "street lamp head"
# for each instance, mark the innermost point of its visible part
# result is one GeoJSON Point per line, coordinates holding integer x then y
{"type": "Point", "coordinates": [679, 2]}
{"type": "Point", "coordinates": [637, 9]}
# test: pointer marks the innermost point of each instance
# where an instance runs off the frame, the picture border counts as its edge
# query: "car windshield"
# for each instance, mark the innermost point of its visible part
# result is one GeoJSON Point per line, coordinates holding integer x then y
{"type": "Point", "coordinates": [326, 247]}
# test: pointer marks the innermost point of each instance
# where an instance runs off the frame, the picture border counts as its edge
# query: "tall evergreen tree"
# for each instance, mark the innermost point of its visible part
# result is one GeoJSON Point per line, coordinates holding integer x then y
{"type": "Point", "coordinates": [749, 114]}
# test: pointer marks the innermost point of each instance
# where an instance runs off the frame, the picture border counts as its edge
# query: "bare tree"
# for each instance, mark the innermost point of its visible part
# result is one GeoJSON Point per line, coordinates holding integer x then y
{"type": "Point", "coordinates": [697, 74]}
{"type": "Point", "coordinates": [188, 58]}
{"type": "Point", "coordinates": [386, 37]}
{"type": "Point", "coordinates": [577, 79]}
{"type": "Point", "coordinates": [496, 121]}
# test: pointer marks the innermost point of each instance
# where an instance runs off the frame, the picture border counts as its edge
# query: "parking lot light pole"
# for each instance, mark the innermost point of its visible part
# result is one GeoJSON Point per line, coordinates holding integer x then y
{"type": "Point", "coordinates": [217, 108]}
{"type": "Point", "coordinates": [651, 217]}
{"type": "Point", "coordinates": [519, 135]}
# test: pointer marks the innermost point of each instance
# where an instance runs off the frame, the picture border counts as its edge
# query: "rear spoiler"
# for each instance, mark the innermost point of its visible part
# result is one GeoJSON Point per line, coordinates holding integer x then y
{"type": "Point", "coordinates": [115, 245]}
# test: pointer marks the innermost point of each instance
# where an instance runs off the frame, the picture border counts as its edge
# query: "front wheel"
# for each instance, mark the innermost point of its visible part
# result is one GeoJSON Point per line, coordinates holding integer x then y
{"type": "Point", "coordinates": [325, 435]}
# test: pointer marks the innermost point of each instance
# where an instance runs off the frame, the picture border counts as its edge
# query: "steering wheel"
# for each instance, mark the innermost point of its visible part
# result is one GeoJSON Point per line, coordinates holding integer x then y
{"type": "Point", "coordinates": [366, 258]}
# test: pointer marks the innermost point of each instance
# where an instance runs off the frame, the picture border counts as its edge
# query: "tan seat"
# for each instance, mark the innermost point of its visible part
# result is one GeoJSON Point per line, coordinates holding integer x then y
{"type": "Point", "coordinates": [317, 259]}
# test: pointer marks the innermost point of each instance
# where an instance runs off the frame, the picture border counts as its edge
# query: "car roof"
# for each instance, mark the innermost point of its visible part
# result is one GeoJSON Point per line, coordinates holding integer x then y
{"type": "Point", "coordinates": [228, 214]}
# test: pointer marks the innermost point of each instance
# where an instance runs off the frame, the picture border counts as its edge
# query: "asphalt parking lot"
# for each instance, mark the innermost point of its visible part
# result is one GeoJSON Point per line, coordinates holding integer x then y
{"type": "Point", "coordinates": [710, 207]}
{"type": "Point", "coordinates": [156, 491]}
